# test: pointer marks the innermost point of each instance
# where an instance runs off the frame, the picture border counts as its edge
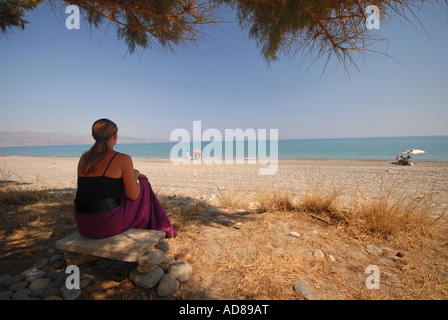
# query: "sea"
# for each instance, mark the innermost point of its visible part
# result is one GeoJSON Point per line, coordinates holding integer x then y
{"type": "Point", "coordinates": [383, 148]}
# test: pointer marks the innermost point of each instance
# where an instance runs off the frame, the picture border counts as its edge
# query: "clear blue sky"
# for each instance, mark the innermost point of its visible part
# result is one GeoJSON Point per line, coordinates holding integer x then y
{"type": "Point", "coordinates": [58, 80]}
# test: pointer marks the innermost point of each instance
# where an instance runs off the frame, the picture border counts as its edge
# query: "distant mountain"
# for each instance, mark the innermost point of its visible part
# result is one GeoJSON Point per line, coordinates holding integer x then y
{"type": "Point", "coordinates": [29, 138]}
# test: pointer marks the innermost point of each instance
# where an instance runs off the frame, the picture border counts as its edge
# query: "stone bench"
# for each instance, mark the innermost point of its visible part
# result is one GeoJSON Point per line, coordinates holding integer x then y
{"type": "Point", "coordinates": [148, 248]}
{"type": "Point", "coordinates": [128, 246]}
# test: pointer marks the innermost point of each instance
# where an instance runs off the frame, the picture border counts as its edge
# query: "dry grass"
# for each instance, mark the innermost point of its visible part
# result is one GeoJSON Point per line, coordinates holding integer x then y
{"type": "Point", "coordinates": [32, 218]}
{"type": "Point", "coordinates": [319, 202]}
{"type": "Point", "coordinates": [392, 214]}
{"type": "Point", "coordinates": [262, 201]}
{"type": "Point", "coordinates": [398, 222]}
{"type": "Point", "coordinates": [274, 201]}
{"type": "Point", "coordinates": [259, 259]}
{"type": "Point", "coordinates": [19, 193]}
{"type": "Point", "coordinates": [234, 199]}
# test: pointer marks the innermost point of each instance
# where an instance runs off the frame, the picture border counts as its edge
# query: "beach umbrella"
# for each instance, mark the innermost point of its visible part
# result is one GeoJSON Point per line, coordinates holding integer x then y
{"type": "Point", "coordinates": [414, 151]}
{"type": "Point", "coordinates": [196, 152]}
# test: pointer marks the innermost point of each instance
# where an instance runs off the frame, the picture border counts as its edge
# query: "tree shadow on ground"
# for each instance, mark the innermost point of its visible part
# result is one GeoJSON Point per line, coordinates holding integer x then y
{"type": "Point", "coordinates": [31, 223]}
{"type": "Point", "coordinates": [33, 220]}
{"type": "Point", "coordinates": [186, 211]}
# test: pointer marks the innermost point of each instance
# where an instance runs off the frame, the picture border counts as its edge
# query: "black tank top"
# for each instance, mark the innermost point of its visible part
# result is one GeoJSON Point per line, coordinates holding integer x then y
{"type": "Point", "coordinates": [92, 189]}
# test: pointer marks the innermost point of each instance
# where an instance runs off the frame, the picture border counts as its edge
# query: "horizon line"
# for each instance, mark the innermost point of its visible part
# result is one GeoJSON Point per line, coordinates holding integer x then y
{"type": "Point", "coordinates": [206, 141]}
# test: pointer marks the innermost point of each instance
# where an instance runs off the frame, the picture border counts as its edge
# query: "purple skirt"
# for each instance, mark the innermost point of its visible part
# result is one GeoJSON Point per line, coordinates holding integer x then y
{"type": "Point", "coordinates": [145, 212]}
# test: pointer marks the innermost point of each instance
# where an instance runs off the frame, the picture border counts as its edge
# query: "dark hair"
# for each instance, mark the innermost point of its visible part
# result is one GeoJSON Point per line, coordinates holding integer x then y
{"type": "Point", "coordinates": [102, 131]}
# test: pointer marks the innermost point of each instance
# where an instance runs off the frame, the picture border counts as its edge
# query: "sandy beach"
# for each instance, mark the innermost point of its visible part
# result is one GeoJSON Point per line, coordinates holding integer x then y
{"type": "Point", "coordinates": [365, 177]}
{"type": "Point", "coordinates": [239, 253]}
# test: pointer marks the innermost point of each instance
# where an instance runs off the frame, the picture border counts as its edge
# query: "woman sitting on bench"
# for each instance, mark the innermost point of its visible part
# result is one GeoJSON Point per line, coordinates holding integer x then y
{"type": "Point", "coordinates": [112, 196]}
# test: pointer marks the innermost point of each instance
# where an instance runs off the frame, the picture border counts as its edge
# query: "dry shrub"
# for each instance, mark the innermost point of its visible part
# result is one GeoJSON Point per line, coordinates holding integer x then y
{"type": "Point", "coordinates": [319, 202]}
{"type": "Point", "coordinates": [263, 275]}
{"type": "Point", "coordinates": [320, 197]}
{"type": "Point", "coordinates": [241, 264]}
{"type": "Point", "coordinates": [260, 260]}
{"type": "Point", "coordinates": [410, 223]}
{"type": "Point", "coordinates": [275, 201]}
{"type": "Point", "coordinates": [262, 201]}
{"type": "Point", "coordinates": [19, 193]}
{"type": "Point", "coordinates": [394, 214]}
{"type": "Point", "coordinates": [15, 196]}
{"type": "Point", "coordinates": [389, 213]}
{"type": "Point", "coordinates": [182, 211]}
{"type": "Point", "coordinates": [234, 199]}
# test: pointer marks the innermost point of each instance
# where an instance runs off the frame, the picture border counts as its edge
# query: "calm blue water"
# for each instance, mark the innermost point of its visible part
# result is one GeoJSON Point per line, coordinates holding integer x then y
{"type": "Point", "coordinates": [436, 148]}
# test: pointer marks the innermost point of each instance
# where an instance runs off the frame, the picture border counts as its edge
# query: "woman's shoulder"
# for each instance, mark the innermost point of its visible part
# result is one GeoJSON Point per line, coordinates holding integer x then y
{"type": "Point", "coordinates": [123, 158]}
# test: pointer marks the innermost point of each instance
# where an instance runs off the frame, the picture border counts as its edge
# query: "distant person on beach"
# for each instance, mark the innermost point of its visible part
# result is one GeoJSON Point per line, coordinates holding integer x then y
{"type": "Point", "coordinates": [112, 196]}
{"type": "Point", "coordinates": [408, 159]}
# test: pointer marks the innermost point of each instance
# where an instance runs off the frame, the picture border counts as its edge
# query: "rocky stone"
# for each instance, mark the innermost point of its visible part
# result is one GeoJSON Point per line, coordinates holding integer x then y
{"type": "Point", "coordinates": [46, 279]}
{"type": "Point", "coordinates": [18, 285]}
{"type": "Point", "coordinates": [442, 270]}
{"type": "Point", "coordinates": [21, 294]}
{"type": "Point", "coordinates": [38, 293]}
{"type": "Point", "coordinates": [163, 245]}
{"type": "Point", "coordinates": [53, 275]}
{"type": "Point", "coordinates": [167, 286]}
{"type": "Point", "coordinates": [29, 271]}
{"type": "Point", "coordinates": [303, 289]}
{"type": "Point", "coordinates": [318, 254]}
{"type": "Point", "coordinates": [181, 270]}
{"type": "Point", "coordinates": [184, 255]}
{"type": "Point", "coordinates": [149, 261]}
{"type": "Point", "coordinates": [62, 289]}
{"type": "Point", "coordinates": [40, 264]}
{"type": "Point", "coordinates": [133, 274]}
{"type": "Point", "coordinates": [5, 295]}
{"type": "Point", "coordinates": [71, 294]}
{"type": "Point", "coordinates": [54, 258]}
{"type": "Point", "coordinates": [36, 275]}
{"type": "Point", "coordinates": [18, 277]}
{"type": "Point", "coordinates": [59, 264]}
{"type": "Point", "coordinates": [146, 268]}
{"type": "Point", "coordinates": [294, 234]}
{"type": "Point", "coordinates": [9, 282]}
{"type": "Point", "coordinates": [150, 279]}
{"type": "Point", "coordinates": [5, 279]}
{"type": "Point", "coordinates": [166, 263]}
{"type": "Point", "coordinates": [374, 250]}
{"type": "Point", "coordinates": [53, 298]}
{"type": "Point", "coordinates": [87, 271]}
{"type": "Point", "coordinates": [51, 290]}
{"type": "Point", "coordinates": [39, 283]}
{"type": "Point", "coordinates": [62, 277]}
{"type": "Point", "coordinates": [84, 283]}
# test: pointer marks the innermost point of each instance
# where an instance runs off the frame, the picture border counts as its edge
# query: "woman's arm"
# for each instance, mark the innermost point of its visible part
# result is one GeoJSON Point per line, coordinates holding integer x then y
{"type": "Point", "coordinates": [131, 186]}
